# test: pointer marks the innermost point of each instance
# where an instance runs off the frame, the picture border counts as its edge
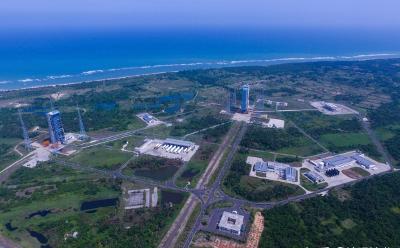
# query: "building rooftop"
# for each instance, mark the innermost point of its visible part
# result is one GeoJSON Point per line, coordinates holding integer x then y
{"type": "Point", "coordinates": [363, 161]}
{"type": "Point", "coordinates": [231, 221]}
{"type": "Point", "coordinates": [337, 160]}
{"type": "Point", "coordinates": [179, 142]}
{"type": "Point", "coordinates": [260, 166]}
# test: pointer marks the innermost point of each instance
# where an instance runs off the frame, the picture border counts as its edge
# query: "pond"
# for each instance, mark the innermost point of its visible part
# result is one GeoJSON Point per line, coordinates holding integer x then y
{"type": "Point", "coordinates": [171, 197]}
{"type": "Point", "coordinates": [190, 173]}
{"type": "Point", "coordinates": [10, 227]}
{"type": "Point", "coordinates": [160, 174]}
{"type": "Point", "coordinates": [90, 205]}
{"type": "Point", "coordinates": [40, 237]}
{"type": "Point", "coordinates": [41, 213]}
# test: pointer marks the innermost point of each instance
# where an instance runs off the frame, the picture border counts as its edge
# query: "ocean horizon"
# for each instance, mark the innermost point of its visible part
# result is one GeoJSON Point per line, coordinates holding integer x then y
{"type": "Point", "coordinates": [34, 59]}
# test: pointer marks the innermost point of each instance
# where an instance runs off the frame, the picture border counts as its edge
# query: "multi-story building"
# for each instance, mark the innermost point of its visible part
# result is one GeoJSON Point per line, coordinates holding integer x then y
{"type": "Point", "coordinates": [244, 107]}
{"type": "Point", "coordinates": [56, 129]}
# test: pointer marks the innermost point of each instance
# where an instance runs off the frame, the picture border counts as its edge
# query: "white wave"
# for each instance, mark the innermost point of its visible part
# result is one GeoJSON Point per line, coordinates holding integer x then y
{"type": "Point", "coordinates": [182, 66]}
{"type": "Point", "coordinates": [5, 82]}
{"type": "Point", "coordinates": [29, 80]}
{"type": "Point", "coordinates": [92, 72]}
{"type": "Point", "coordinates": [59, 77]}
{"type": "Point", "coordinates": [372, 55]}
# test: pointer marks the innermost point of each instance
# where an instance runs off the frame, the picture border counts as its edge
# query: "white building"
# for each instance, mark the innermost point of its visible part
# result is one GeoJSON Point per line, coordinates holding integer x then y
{"type": "Point", "coordinates": [231, 222]}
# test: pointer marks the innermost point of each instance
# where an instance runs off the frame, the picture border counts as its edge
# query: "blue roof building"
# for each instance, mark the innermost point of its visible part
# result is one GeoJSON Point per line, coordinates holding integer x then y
{"type": "Point", "coordinates": [337, 161]}
{"type": "Point", "coordinates": [363, 161]}
{"type": "Point", "coordinates": [260, 167]}
{"type": "Point", "coordinates": [56, 129]}
{"type": "Point", "coordinates": [244, 106]}
{"type": "Point", "coordinates": [291, 174]}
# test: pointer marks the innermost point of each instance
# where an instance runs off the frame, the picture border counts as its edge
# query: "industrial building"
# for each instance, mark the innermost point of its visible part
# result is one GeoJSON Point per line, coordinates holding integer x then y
{"type": "Point", "coordinates": [141, 198]}
{"type": "Point", "coordinates": [168, 148]}
{"type": "Point", "coordinates": [329, 106]}
{"type": "Point", "coordinates": [244, 106]}
{"type": "Point", "coordinates": [314, 177]}
{"type": "Point", "coordinates": [344, 160]}
{"type": "Point", "coordinates": [231, 222]}
{"type": "Point", "coordinates": [284, 172]}
{"type": "Point", "coordinates": [149, 119]}
{"type": "Point", "coordinates": [56, 129]}
{"type": "Point", "coordinates": [291, 174]}
{"type": "Point", "coordinates": [364, 162]}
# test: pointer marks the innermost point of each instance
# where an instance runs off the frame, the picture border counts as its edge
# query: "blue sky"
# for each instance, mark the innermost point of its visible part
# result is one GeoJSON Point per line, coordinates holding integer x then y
{"type": "Point", "coordinates": [75, 14]}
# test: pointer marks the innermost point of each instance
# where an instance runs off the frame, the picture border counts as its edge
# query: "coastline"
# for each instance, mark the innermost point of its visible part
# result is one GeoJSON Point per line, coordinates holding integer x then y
{"type": "Point", "coordinates": [203, 66]}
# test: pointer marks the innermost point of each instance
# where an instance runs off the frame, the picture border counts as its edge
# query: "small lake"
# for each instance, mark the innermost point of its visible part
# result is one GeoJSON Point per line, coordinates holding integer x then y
{"type": "Point", "coordinates": [90, 205]}
{"type": "Point", "coordinates": [41, 213]}
{"type": "Point", "coordinates": [40, 237]}
{"type": "Point", "coordinates": [189, 174]}
{"type": "Point", "coordinates": [160, 174]}
{"type": "Point", "coordinates": [173, 197]}
{"type": "Point", "coordinates": [10, 227]}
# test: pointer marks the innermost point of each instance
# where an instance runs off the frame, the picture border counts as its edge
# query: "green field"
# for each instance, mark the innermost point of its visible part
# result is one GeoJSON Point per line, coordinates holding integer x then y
{"type": "Point", "coordinates": [61, 190]}
{"type": "Point", "coordinates": [288, 140]}
{"type": "Point", "coordinates": [102, 157]}
{"type": "Point", "coordinates": [7, 154]}
{"type": "Point", "coordinates": [336, 133]}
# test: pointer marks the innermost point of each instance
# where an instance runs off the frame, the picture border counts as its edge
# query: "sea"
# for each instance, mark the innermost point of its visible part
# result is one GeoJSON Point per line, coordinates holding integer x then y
{"type": "Point", "coordinates": [35, 58]}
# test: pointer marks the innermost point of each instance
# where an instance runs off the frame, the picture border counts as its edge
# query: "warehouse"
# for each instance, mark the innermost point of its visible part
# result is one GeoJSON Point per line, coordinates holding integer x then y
{"type": "Point", "coordinates": [338, 161]}
{"type": "Point", "coordinates": [168, 148]}
{"type": "Point", "coordinates": [291, 174]}
{"type": "Point", "coordinates": [314, 177]}
{"type": "Point", "coordinates": [366, 163]}
{"type": "Point", "coordinates": [279, 171]}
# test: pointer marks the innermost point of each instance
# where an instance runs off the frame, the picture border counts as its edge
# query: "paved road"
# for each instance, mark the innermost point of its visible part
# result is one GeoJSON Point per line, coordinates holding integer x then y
{"type": "Point", "coordinates": [180, 222]}
{"type": "Point", "coordinates": [216, 185]}
{"type": "Point", "coordinates": [112, 138]}
{"type": "Point", "coordinates": [204, 129]}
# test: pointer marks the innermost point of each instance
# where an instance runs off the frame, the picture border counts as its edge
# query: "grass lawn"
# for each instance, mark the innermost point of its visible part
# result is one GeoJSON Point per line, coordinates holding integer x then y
{"type": "Point", "coordinates": [101, 157]}
{"type": "Point", "coordinates": [307, 148]}
{"type": "Point", "coordinates": [133, 142]}
{"type": "Point", "coordinates": [341, 140]}
{"type": "Point", "coordinates": [256, 189]}
{"type": "Point", "coordinates": [261, 154]}
{"type": "Point", "coordinates": [360, 171]}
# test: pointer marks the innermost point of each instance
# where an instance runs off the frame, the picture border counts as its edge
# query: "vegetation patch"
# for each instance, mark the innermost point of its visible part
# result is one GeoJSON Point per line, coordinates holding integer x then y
{"type": "Point", "coordinates": [56, 213]}
{"type": "Point", "coordinates": [152, 167]}
{"type": "Point", "coordinates": [288, 140]}
{"type": "Point", "coordinates": [197, 165]}
{"type": "Point", "coordinates": [102, 157]}
{"type": "Point", "coordinates": [365, 218]}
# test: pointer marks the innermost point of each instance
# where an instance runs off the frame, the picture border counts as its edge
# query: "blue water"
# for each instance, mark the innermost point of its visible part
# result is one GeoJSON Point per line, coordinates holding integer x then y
{"type": "Point", "coordinates": [30, 59]}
